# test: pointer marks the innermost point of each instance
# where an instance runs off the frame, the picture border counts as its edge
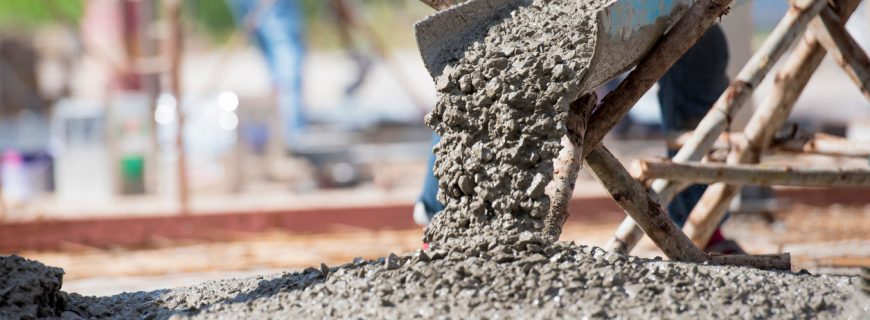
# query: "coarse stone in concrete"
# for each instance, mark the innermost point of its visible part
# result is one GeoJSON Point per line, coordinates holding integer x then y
{"type": "Point", "coordinates": [29, 289]}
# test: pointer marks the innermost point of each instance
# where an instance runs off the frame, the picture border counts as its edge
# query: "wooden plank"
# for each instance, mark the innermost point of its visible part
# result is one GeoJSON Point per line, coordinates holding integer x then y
{"type": "Point", "coordinates": [706, 173]}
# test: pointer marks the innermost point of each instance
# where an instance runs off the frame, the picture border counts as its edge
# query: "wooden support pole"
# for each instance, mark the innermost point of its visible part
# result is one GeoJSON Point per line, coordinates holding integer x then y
{"type": "Point", "coordinates": [791, 27]}
{"type": "Point", "coordinates": [673, 45]}
{"type": "Point", "coordinates": [824, 144]}
{"type": "Point", "coordinates": [634, 198]}
{"type": "Point", "coordinates": [567, 166]}
{"type": "Point", "coordinates": [706, 173]}
{"type": "Point", "coordinates": [814, 143]}
{"type": "Point", "coordinates": [734, 98]}
{"type": "Point", "coordinates": [772, 113]}
{"type": "Point", "coordinates": [683, 35]}
{"type": "Point", "coordinates": [724, 140]}
{"type": "Point", "coordinates": [780, 261]}
{"type": "Point", "coordinates": [832, 34]}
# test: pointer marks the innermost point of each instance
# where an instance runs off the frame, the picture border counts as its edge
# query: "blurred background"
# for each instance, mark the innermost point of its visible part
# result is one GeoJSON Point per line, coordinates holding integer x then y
{"type": "Point", "coordinates": [156, 143]}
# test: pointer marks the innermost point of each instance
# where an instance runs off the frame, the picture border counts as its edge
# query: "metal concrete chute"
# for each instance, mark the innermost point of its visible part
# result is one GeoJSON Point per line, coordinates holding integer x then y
{"type": "Point", "coordinates": [627, 30]}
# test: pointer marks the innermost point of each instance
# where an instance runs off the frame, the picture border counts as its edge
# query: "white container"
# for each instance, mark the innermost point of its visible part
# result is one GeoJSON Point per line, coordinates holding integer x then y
{"type": "Point", "coordinates": [83, 172]}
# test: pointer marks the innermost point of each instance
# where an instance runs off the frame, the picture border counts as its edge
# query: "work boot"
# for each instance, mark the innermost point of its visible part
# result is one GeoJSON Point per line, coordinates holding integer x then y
{"type": "Point", "coordinates": [421, 214]}
{"type": "Point", "coordinates": [719, 244]}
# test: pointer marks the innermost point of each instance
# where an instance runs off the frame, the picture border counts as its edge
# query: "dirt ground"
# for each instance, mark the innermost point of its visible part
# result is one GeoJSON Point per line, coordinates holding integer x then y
{"type": "Point", "coordinates": [832, 240]}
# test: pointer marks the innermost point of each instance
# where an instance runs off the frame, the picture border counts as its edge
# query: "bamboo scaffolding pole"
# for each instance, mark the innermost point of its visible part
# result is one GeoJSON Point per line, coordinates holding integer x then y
{"type": "Point", "coordinates": [706, 173]}
{"type": "Point", "coordinates": [718, 119]}
{"type": "Point", "coordinates": [772, 113]}
{"type": "Point", "coordinates": [832, 34]}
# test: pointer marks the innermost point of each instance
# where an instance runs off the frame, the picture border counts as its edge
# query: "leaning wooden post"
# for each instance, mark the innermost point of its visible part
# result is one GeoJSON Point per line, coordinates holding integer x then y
{"type": "Point", "coordinates": [788, 84]}
{"type": "Point", "coordinates": [649, 70]}
{"type": "Point", "coordinates": [673, 45]}
{"type": "Point", "coordinates": [566, 166]}
{"type": "Point", "coordinates": [729, 104]}
{"type": "Point", "coordinates": [832, 34]}
{"type": "Point", "coordinates": [633, 197]}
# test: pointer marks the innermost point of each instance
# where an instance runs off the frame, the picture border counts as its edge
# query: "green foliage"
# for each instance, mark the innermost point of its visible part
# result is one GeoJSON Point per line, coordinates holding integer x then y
{"type": "Point", "coordinates": [391, 19]}
{"type": "Point", "coordinates": [212, 16]}
{"type": "Point", "coordinates": [33, 13]}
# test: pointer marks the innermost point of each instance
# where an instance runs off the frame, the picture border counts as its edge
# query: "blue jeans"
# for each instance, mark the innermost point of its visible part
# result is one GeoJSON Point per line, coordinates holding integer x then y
{"type": "Point", "coordinates": [279, 35]}
{"type": "Point", "coordinates": [686, 93]}
{"type": "Point", "coordinates": [429, 197]}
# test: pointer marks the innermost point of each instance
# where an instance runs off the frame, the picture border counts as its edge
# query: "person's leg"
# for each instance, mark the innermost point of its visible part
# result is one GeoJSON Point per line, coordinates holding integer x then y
{"type": "Point", "coordinates": [687, 92]}
{"type": "Point", "coordinates": [278, 34]}
{"type": "Point", "coordinates": [428, 205]}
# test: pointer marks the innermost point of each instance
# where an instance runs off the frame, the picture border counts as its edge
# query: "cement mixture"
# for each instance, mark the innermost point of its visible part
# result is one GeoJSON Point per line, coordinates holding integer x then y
{"type": "Point", "coordinates": [517, 278]}
{"type": "Point", "coordinates": [501, 114]}
{"type": "Point", "coordinates": [29, 288]}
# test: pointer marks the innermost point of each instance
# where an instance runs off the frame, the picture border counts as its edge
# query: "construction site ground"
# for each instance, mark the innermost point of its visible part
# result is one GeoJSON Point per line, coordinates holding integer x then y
{"type": "Point", "coordinates": [137, 244]}
{"type": "Point", "coordinates": [822, 240]}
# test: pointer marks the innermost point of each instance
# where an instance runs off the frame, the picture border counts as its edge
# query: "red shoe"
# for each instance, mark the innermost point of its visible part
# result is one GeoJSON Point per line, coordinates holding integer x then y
{"type": "Point", "coordinates": [719, 244]}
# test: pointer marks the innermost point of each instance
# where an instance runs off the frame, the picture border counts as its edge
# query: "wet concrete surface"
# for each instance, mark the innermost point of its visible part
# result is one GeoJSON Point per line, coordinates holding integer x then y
{"type": "Point", "coordinates": [515, 277]}
{"type": "Point", "coordinates": [501, 114]}
{"type": "Point", "coordinates": [29, 288]}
